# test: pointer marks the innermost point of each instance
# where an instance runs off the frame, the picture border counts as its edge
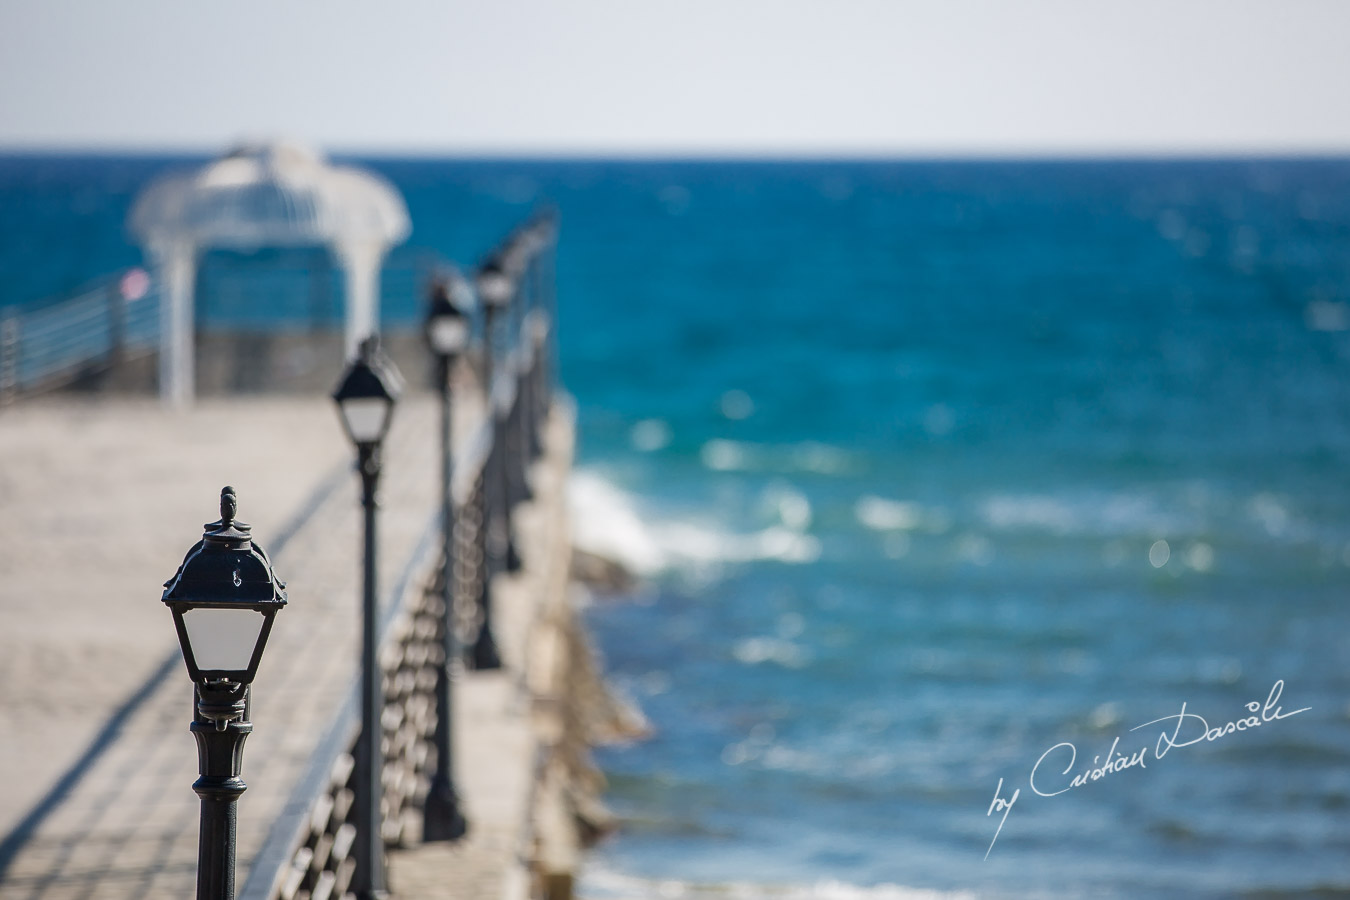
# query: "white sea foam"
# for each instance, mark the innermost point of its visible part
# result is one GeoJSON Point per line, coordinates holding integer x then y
{"type": "Point", "coordinates": [813, 456]}
{"type": "Point", "coordinates": [885, 514]}
{"type": "Point", "coordinates": [1271, 512]}
{"type": "Point", "coordinates": [696, 543]}
{"type": "Point", "coordinates": [1013, 511]}
{"type": "Point", "coordinates": [881, 514]}
{"type": "Point", "coordinates": [974, 548]}
{"type": "Point", "coordinates": [650, 435]}
{"type": "Point", "coordinates": [602, 884]}
{"type": "Point", "coordinates": [755, 650]}
{"type": "Point", "coordinates": [723, 455]}
{"type": "Point", "coordinates": [606, 520]}
{"type": "Point", "coordinates": [1199, 556]}
{"type": "Point", "coordinates": [1091, 512]}
{"type": "Point", "coordinates": [789, 505]}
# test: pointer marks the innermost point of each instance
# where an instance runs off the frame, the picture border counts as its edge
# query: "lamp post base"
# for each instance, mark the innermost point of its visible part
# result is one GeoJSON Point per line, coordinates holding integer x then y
{"type": "Point", "coordinates": [485, 655]}
{"type": "Point", "coordinates": [442, 819]}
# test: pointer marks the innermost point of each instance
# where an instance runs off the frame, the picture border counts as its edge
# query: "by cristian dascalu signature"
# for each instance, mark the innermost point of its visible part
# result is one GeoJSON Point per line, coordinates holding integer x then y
{"type": "Point", "coordinates": [1050, 777]}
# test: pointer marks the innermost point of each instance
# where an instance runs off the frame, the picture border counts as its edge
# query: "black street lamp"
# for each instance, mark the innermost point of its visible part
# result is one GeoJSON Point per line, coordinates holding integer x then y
{"type": "Point", "coordinates": [223, 599]}
{"type": "Point", "coordinates": [447, 333]}
{"type": "Point", "coordinates": [535, 239]}
{"type": "Point", "coordinates": [365, 398]}
{"type": "Point", "coordinates": [495, 290]}
{"type": "Point", "coordinates": [518, 260]}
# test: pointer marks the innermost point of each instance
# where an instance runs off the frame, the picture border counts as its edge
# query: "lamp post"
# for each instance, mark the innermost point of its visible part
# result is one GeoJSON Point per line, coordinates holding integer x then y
{"type": "Point", "coordinates": [223, 599]}
{"type": "Point", "coordinates": [518, 260]}
{"type": "Point", "coordinates": [365, 398]}
{"type": "Point", "coordinates": [546, 232]}
{"type": "Point", "coordinates": [447, 333]}
{"type": "Point", "coordinates": [494, 288]}
{"type": "Point", "coordinates": [536, 241]}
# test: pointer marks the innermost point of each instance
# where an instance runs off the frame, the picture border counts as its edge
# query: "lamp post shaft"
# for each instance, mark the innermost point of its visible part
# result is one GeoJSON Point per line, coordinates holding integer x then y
{"type": "Point", "coordinates": [369, 851]}
{"type": "Point", "coordinates": [215, 849]}
{"type": "Point", "coordinates": [518, 483]}
{"type": "Point", "coordinates": [442, 819]}
{"type": "Point", "coordinates": [220, 749]}
{"type": "Point", "coordinates": [444, 700]}
{"type": "Point", "coordinates": [494, 522]}
{"type": "Point", "coordinates": [504, 442]}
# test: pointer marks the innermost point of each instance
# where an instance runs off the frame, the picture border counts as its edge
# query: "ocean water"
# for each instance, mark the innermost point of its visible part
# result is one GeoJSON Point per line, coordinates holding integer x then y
{"type": "Point", "coordinates": [932, 470]}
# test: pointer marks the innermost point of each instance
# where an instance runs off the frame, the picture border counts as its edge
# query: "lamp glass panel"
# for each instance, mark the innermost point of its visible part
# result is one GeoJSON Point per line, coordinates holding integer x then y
{"type": "Point", "coordinates": [365, 418]}
{"type": "Point", "coordinates": [449, 334]}
{"type": "Point", "coordinates": [494, 289]}
{"type": "Point", "coordinates": [223, 638]}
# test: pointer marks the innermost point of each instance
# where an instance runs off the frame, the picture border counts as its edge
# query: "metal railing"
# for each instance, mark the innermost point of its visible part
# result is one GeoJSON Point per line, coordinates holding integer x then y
{"type": "Point", "coordinates": [117, 318]}
{"type": "Point", "coordinates": [102, 326]}
{"type": "Point", "coordinates": [307, 854]}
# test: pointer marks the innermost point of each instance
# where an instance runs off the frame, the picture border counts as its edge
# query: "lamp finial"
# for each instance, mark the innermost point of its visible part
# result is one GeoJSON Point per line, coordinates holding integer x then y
{"type": "Point", "coordinates": [229, 505]}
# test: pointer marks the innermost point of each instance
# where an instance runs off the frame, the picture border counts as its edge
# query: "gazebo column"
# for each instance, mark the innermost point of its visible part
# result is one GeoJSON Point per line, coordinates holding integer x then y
{"type": "Point", "coordinates": [361, 270]}
{"type": "Point", "coordinates": [176, 264]}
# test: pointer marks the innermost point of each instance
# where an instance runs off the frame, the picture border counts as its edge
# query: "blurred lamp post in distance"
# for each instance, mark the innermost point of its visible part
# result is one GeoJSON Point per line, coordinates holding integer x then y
{"type": "Point", "coordinates": [223, 599]}
{"type": "Point", "coordinates": [447, 334]}
{"type": "Point", "coordinates": [495, 289]}
{"type": "Point", "coordinates": [366, 397]}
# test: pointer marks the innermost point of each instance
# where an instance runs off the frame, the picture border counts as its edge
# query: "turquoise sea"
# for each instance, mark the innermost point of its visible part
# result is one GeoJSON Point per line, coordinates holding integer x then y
{"type": "Point", "coordinates": [933, 471]}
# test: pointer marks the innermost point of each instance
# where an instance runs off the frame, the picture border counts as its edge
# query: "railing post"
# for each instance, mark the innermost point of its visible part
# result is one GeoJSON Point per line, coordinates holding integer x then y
{"type": "Point", "coordinates": [504, 553]}
{"type": "Point", "coordinates": [511, 487]}
{"type": "Point", "coordinates": [485, 655]}
{"type": "Point", "coordinates": [516, 486]}
{"type": "Point", "coordinates": [524, 385]}
{"type": "Point", "coordinates": [117, 324]}
{"type": "Point", "coordinates": [533, 444]}
{"type": "Point", "coordinates": [10, 348]}
{"type": "Point", "coordinates": [494, 529]}
{"type": "Point", "coordinates": [470, 560]}
{"type": "Point", "coordinates": [539, 327]}
{"type": "Point", "coordinates": [550, 304]}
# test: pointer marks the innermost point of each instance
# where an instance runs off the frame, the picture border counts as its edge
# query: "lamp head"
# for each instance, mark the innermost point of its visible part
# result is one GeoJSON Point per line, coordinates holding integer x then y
{"type": "Point", "coordinates": [367, 393]}
{"type": "Point", "coordinates": [495, 285]}
{"type": "Point", "coordinates": [223, 599]}
{"type": "Point", "coordinates": [447, 325]}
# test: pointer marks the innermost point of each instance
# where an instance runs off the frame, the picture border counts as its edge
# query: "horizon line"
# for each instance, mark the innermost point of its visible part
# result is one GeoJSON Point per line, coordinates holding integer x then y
{"type": "Point", "coordinates": [1141, 153]}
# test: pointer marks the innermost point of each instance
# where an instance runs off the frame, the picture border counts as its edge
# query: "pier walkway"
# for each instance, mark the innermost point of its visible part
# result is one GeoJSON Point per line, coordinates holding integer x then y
{"type": "Point", "coordinates": [101, 805]}
{"type": "Point", "coordinates": [101, 498]}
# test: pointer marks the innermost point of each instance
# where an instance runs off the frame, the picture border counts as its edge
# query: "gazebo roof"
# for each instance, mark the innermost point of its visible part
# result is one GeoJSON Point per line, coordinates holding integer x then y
{"type": "Point", "coordinates": [276, 194]}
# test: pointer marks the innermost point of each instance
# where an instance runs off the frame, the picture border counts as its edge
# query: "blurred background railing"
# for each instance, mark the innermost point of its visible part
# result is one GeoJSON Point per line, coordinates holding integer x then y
{"type": "Point", "coordinates": [108, 323]}
{"type": "Point", "coordinates": [267, 320]}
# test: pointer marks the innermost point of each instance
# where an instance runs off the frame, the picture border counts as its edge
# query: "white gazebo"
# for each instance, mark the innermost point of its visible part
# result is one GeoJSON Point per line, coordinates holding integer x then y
{"type": "Point", "coordinates": [263, 195]}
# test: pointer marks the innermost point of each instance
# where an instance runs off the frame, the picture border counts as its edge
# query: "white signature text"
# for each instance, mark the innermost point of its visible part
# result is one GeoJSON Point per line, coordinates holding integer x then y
{"type": "Point", "coordinates": [1050, 777]}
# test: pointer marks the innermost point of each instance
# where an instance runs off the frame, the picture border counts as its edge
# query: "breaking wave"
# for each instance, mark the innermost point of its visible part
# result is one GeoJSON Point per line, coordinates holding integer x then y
{"type": "Point", "coordinates": [606, 520]}
{"type": "Point", "coordinates": [601, 884]}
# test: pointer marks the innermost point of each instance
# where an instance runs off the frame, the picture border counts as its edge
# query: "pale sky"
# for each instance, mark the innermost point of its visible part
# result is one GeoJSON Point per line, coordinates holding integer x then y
{"type": "Point", "coordinates": [791, 77]}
